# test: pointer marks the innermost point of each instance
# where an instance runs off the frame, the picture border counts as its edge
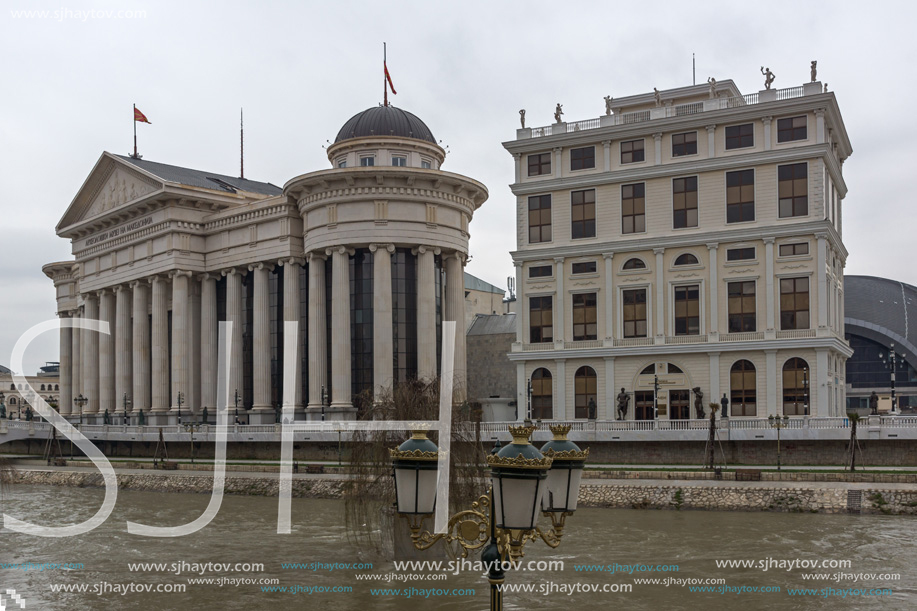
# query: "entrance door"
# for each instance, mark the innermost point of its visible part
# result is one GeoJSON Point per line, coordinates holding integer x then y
{"type": "Point", "coordinates": [679, 402]}
{"type": "Point", "coordinates": [643, 400]}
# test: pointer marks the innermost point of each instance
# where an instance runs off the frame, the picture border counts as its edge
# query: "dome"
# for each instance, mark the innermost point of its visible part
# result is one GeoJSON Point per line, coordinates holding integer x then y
{"type": "Point", "coordinates": [385, 121]}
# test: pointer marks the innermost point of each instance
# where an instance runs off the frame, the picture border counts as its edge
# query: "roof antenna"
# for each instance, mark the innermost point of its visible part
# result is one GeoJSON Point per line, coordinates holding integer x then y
{"type": "Point", "coordinates": [693, 71]}
{"type": "Point", "coordinates": [241, 145]}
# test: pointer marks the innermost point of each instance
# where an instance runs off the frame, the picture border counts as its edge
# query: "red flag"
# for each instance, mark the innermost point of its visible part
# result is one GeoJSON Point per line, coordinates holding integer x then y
{"type": "Point", "coordinates": [139, 116]}
{"type": "Point", "coordinates": [388, 77]}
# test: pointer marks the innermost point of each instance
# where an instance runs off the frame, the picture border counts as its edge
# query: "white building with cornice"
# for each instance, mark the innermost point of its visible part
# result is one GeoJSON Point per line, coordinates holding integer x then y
{"type": "Point", "coordinates": [367, 257]}
{"type": "Point", "coordinates": [691, 238]}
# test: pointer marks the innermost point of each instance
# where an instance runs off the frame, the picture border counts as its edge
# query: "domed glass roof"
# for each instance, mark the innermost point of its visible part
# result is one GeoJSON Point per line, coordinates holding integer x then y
{"type": "Point", "coordinates": [385, 121]}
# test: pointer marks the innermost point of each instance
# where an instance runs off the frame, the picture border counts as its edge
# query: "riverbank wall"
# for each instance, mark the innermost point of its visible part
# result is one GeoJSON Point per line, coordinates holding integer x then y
{"type": "Point", "coordinates": [661, 494]}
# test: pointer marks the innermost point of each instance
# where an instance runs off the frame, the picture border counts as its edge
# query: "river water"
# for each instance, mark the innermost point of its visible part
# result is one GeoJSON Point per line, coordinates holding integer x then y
{"type": "Point", "coordinates": [244, 531]}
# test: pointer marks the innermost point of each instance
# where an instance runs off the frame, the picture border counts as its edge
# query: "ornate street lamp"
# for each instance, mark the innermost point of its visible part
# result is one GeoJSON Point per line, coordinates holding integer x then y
{"type": "Point", "coordinates": [518, 475]}
{"type": "Point", "coordinates": [80, 401]}
{"type": "Point", "coordinates": [564, 478]}
{"type": "Point", "coordinates": [778, 422]}
{"type": "Point", "coordinates": [324, 399]}
{"type": "Point", "coordinates": [414, 467]}
{"type": "Point", "coordinates": [180, 398]}
{"type": "Point", "coordinates": [891, 362]}
{"type": "Point", "coordinates": [127, 403]}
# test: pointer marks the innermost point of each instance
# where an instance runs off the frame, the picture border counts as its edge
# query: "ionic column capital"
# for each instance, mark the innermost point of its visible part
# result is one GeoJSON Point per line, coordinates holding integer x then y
{"type": "Point", "coordinates": [389, 247]}
{"type": "Point", "coordinates": [711, 128]}
{"type": "Point", "coordinates": [462, 257]}
{"type": "Point", "coordinates": [233, 271]}
{"type": "Point", "coordinates": [422, 249]}
{"type": "Point", "coordinates": [291, 261]}
{"type": "Point", "coordinates": [713, 245]}
{"type": "Point", "coordinates": [658, 251]}
{"type": "Point", "coordinates": [767, 119]}
{"type": "Point", "coordinates": [261, 265]}
{"type": "Point", "coordinates": [315, 255]}
{"type": "Point", "coordinates": [341, 250]}
{"type": "Point", "coordinates": [178, 273]}
{"type": "Point", "coordinates": [518, 264]}
{"type": "Point", "coordinates": [121, 287]}
{"type": "Point", "coordinates": [768, 240]}
{"type": "Point", "coordinates": [608, 256]}
{"type": "Point", "coordinates": [209, 276]}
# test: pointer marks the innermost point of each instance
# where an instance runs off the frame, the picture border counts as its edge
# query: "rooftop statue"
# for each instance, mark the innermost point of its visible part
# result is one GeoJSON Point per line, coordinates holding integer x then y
{"type": "Point", "coordinates": [814, 70]}
{"type": "Point", "coordinates": [558, 112]}
{"type": "Point", "coordinates": [768, 77]}
{"type": "Point", "coordinates": [712, 82]}
{"type": "Point", "coordinates": [522, 117]}
{"type": "Point", "coordinates": [608, 100]}
{"type": "Point", "coordinates": [658, 96]}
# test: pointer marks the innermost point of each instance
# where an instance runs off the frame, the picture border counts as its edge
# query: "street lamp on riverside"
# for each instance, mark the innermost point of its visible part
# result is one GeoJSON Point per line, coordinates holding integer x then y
{"type": "Point", "coordinates": [80, 401]}
{"type": "Point", "coordinates": [523, 483]}
{"type": "Point", "coordinates": [180, 398]}
{"type": "Point", "coordinates": [127, 403]}
{"type": "Point", "coordinates": [778, 422]}
{"type": "Point", "coordinates": [891, 361]}
{"type": "Point", "coordinates": [324, 400]}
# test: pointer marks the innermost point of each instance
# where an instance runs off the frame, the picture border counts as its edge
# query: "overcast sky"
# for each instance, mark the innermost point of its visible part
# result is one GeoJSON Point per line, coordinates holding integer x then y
{"type": "Point", "coordinates": [301, 69]}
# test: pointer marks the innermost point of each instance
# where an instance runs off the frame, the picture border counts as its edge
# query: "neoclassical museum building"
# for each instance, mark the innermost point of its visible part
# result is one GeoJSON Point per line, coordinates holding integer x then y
{"type": "Point", "coordinates": [366, 256]}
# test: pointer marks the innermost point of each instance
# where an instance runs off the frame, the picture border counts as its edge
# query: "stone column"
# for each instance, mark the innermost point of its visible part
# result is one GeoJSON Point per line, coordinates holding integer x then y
{"type": "Point", "coordinates": [209, 343]}
{"type": "Point", "coordinates": [318, 332]}
{"type": "Point", "coordinates": [455, 310]}
{"type": "Point", "coordinates": [821, 270]}
{"type": "Point", "coordinates": [124, 357]}
{"type": "Point", "coordinates": [234, 314]}
{"type": "Point", "coordinates": [181, 361]}
{"type": "Point", "coordinates": [77, 351]}
{"type": "Point", "coordinates": [160, 364]}
{"type": "Point", "coordinates": [610, 407]}
{"type": "Point", "coordinates": [771, 301]}
{"type": "Point", "coordinates": [768, 145]}
{"type": "Point", "coordinates": [657, 148]}
{"type": "Point", "coordinates": [383, 340]}
{"type": "Point", "coordinates": [713, 330]}
{"type": "Point", "coordinates": [106, 359]}
{"type": "Point", "coordinates": [560, 384]}
{"type": "Point", "coordinates": [558, 162]}
{"type": "Point", "coordinates": [711, 141]}
{"type": "Point", "coordinates": [770, 373]}
{"type": "Point", "coordinates": [819, 125]}
{"type": "Point", "coordinates": [517, 162]}
{"type": "Point", "coordinates": [90, 366]}
{"type": "Point", "coordinates": [194, 346]}
{"type": "Point", "coordinates": [606, 145]}
{"type": "Point", "coordinates": [660, 296]}
{"type": "Point", "coordinates": [559, 302]}
{"type": "Point", "coordinates": [609, 295]}
{"type": "Point", "coordinates": [819, 407]}
{"type": "Point", "coordinates": [141, 347]}
{"type": "Point", "coordinates": [340, 328]}
{"type": "Point", "coordinates": [521, 309]}
{"type": "Point", "coordinates": [521, 389]}
{"type": "Point", "coordinates": [261, 342]}
{"type": "Point", "coordinates": [426, 313]}
{"type": "Point", "coordinates": [291, 312]}
{"type": "Point", "coordinates": [65, 399]}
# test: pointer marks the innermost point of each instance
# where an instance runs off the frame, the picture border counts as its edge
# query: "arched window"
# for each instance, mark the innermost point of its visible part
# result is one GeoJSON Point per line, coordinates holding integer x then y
{"type": "Point", "coordinates": [795, 387]}
{"type": "Point", "coordinates": [56, 387]}
{"type": "Point", "coordinates": [542, 394]}
{"type": "Point", "coordinates": [20, 387]}
{"type": "Point", "coordinates": [585, 384]}
{"type": "Point", "coordinates": [686, 259]}
{"type": "Point", "coordinates": [649, 369]}
{"type": "Point", "coordinates": [12, 400]}
{"type": "Point", "coordinates": [42, 387]}
{"type": "Point", "coordinates": [12, 387]}
{"type": "Point", "coordinates": [634, 264]}
{"type": "Point", "coordinates": [743, 387]}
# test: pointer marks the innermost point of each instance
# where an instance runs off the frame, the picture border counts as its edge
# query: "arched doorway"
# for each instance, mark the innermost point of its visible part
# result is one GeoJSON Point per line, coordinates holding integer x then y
{"type": "Point", "coordinates": [585, 385]}
{"type": "Point", "coordinates": [743, 400]}
{"type": "Point", "coordinates": [542, 395]}
{"type": "Point", "coordinates": [673, 398]}
{"type": "Point", "coordinates": [796, 387]}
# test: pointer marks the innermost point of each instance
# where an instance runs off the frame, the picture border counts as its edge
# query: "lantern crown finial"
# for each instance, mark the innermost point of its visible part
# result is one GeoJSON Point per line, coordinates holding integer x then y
{"type": "Point", "coordinates": [560, 431]}
{"type": "Point", "coordinates": [521, 434]}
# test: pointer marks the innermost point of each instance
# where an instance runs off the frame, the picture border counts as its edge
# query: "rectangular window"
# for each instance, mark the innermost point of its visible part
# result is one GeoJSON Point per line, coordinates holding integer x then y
{"type": "Point", "coordinates": [740, 196]}
{"type": "Point", "coordinates": [740, 136]}
{"type": "Point", "coordinates": [539, 219]}
{"type": "Point", "coordinates": [582, 214]}
{"type": "Point", "coordinates": [742, 307]}
{"type": "Point", "coordinates": [793, 189]}
{"type": "Point", "coordinates": [740, 254]}
{"type": "Point", "coordinates": [583, 158]}
{"type": "Point", "coordinates": [684, 202]}
{"type": "Point", "coordinates": [793, 128]}
{"type": "Point", "coordinates": [793, 250]}
{"type": "Point", "coordinates": [587, 267]}
{"type": "Point", "coordinates": [585, 326]}
{"type": "Point", "coordinates": [684, 144]}
{"type": "Point", "coordinates": [633, 208]}
{"type": "Point", "coordinates": [541, 271]}
{"type": "Point", "coordinates": [426, 165]}
{"type": "Point", "coordinates": [541, 320]}
{"type": "Point", "coordinates": [644, 408]}
{"type": "Point", "coordinates": [634, 313]}
{"type": "Point", "coordinates": [632, 151]}
{"type": "Point", "coordinates": [400, 162]}
{"type": "Point", "coordinates": [367, 161]}
{"type": "Point", "coordinates": [687, 310]}
{"type": "Point", "coordinates": [539, 165]}
{"type": "Point", "coordinates": [342, 163]}
{"type": "Point", "coordinates": [794, 303]}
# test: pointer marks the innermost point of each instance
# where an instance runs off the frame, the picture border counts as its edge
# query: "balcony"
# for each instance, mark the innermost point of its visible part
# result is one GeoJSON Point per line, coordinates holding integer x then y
{"type": "Point", "coordinates": [665, 112]}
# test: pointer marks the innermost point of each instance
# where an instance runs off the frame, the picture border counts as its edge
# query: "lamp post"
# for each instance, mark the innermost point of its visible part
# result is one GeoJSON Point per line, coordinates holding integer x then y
{"type": "Point", "coordinates": [80, 401]}
{"type": "Point", "coordinates": [778, 422]}
{"type": "Point", "coordinates": [655, 397]}
{"type": "Point", "coordinates": [179, 399]}
{"type": "Point", "coordinates": [528, 402]}
{"type": "Point", "coordinates": [324, 400]}
{"type": "Point", "coordinates": [891, 361]}
{"type": "Point", "coordinates": [805, 391]}
{"type": "Point", "coordinates": [2, 406]}
{"type": "Point", "coordinates": [524, 482]}
{"type": "Point", "coordinates": [126, 403]}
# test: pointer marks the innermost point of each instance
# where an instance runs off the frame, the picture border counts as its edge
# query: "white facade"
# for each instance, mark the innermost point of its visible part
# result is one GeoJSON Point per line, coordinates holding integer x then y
{"type": "Point", "coordinates": [692, 238]}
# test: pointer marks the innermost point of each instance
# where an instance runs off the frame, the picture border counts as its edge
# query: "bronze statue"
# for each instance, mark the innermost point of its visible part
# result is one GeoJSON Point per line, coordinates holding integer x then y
{"type": "Point", "coordinates": [558, 112]}
{"type": "Point", "coordinates": [2, 411]}
{"type": "Point", "coordinates": [814, 70]}
{"type": "Point", "coordinates": [712, 82]}
{"type": "Point", "coordinates": [204, 416]}
{"type": "Point", "coordinates": [106, 419]}
{"type": "Point", "coordinates": [608, 99]}
{"type": "Point", "coordinates": [623, 400]}
{"type": "Point", "coordinates": [768, 77]}
{"type": "Point", "coordinates": [522, 117]}
{"type": "Point", "coordinates": [873, 403]}
{"type": "Point", "coordinates": [28, 413]}
{"type": "Point", "coordinates": [724, 410]}
{"type": "Point", "coordinates": [699, 403]}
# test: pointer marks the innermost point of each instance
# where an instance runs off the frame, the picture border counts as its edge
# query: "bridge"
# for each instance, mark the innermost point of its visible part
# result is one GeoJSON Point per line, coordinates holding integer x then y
{"type": "Point", "coordinates": [732, 429]}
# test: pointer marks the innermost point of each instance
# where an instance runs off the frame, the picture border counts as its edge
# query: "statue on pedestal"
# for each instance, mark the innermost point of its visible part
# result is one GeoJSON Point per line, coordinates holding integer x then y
{"type": "Point", "coordinates": [608, 100]}
{"type": "Point", "coordinates": [814, 70]}
{"type": "Point", "coordinates": [768, 77]}
{"type": "Point", "coordinates": [106, 418]}
{"type": "Point", "coordinates": [140, 419]}
{"type": "Point", "coordinates": [873, 403]}
{"type": "Point", "coordinates": [558, 112]}
{"type": "Point", "coordinates": [623, 400]}
{"type": "Point", "coordinates": [724, 409]}
{"type": "Point", "coordinates": [204, 416]}
{"type": "Point", "coordinates": [2, 411]}
{"type": "Point", "coordinates": [522, 117]}
{"type": "Point", "coordinates": [699, 403]}
{"type": "Point", "coordinates": [658, 97]}
{"type": "Point", "coordinates": [28, 413]}
{"type": "Point", "coordinates": [712, 82]}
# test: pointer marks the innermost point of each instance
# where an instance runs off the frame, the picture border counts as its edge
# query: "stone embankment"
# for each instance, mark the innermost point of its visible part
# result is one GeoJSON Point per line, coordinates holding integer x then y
{"type": "Point", "coordinates": [672, 491]}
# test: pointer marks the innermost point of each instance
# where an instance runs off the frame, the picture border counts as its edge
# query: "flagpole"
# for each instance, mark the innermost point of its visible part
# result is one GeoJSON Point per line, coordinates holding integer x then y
{"type": "Point", "coordinates": [135, 132]}
{"type": "Point", "coordinates": [385, 67]}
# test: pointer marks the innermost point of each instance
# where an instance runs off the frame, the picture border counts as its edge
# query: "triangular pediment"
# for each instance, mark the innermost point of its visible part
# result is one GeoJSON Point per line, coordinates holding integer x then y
{"type": "Point", "coordinates": [112, 184]}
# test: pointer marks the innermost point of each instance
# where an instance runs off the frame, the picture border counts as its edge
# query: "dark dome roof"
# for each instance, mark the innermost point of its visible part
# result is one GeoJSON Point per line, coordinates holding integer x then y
{"type": "Point", "coordinates": [385, 121]}
{"type": "Point", "coordinates": [881, 310]}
